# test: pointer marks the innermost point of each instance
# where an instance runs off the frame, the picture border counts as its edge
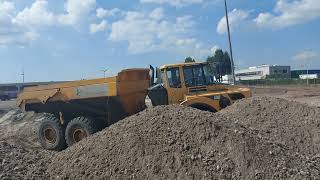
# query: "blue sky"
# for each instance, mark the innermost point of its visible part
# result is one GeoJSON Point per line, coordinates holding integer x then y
{"type": "Point", "coordinates": [72, 39]}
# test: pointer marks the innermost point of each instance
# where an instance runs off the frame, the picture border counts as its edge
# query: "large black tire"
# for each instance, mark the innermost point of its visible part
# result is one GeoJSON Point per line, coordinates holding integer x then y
{"type": "Point", "coordinates": [51, 134]}
{"type": "Point", "coordinates": [78, 129]}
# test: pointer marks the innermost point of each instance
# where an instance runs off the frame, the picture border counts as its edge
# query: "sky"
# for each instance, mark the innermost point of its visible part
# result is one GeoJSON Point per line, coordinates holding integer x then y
{"type": "Point", "coordinates": [77, 39]}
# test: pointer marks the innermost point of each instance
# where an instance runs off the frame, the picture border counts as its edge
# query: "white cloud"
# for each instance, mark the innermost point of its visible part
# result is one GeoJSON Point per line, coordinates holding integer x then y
{"type": "Point", "coordinates": [157, 14]}
{"type": "Point", "coordinates": [305, 55]}
{"type": "Point", "coordinates": [23, 27]}
{"type": "Point", "coordinates": [147, 32]}
{"type": "Point", "coordinates": [288, 13]}
{"type": "Point", "coordinates": [36, 15]}
{"type": "Point", "coordinates": [102, 13]}
{"type": "Point", "coordinates": [77, 11]}
{"type": "Point", "coordinates": [94, 28]}
{"type": "Point", "coordinates": [236, 17]}
{"type": "Point", "coordinates": [177, 3]}
{"type": "Point", "coordinates": [6, 7]}
{"type": "Point", "coordinates": [10, 32]}
{"type": "Point", "coordinates": [143, 31]}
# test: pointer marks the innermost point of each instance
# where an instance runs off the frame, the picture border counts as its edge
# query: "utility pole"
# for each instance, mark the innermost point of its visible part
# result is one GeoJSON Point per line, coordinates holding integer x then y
{"type": "Point", "coordinates": [230, 44]}
{"type": "Point", "coordinates": [104, 72]}
{"type": "Point", "coordinates": [22, 74]}
{"type": "Point", "coordinates": [307, 73]}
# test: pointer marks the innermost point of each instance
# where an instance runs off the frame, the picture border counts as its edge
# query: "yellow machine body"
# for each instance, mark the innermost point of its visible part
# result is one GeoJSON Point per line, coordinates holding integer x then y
{"type": "Point", "coordinates": [211, 96]}
{"type": "Point", "coordinates": [121, 95]}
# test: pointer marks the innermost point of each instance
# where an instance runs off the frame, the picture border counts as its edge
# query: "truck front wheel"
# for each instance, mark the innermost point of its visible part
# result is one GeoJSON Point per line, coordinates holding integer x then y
{"type": "Point", "coordinates": [78, 129]}
{"type": "Point", "coordinates": [51, 134]}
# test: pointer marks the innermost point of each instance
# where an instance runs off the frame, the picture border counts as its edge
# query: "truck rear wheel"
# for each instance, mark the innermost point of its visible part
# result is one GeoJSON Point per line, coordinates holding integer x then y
{"type": "Point", "coordinates": [78, 129]}
{"type": "Point", "coordinates": [51, 134]}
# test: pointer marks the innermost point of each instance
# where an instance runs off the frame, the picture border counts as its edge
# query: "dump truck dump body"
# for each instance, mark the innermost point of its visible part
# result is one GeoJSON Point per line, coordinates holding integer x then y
{"type": "Point", "coordinates": [80, 108]}
{"type": "Point", "coordinates": [112, 98]}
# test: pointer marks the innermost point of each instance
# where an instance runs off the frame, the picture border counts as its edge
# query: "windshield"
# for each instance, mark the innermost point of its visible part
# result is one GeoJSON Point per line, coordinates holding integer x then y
{"type": "Point", "coordinates": [198, 75]}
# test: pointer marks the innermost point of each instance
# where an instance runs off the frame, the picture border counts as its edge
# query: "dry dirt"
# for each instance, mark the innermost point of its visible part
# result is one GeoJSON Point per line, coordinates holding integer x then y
{"type": "Point", "coordinates": [21, 163]}
{"type": "Point", "coordinates": [256, 138]}
{"type": "Point", "coordinates": [303, 94]}
{"type": "Point", "coordinates": [19, 127]}
{"type": "Point", "coordinates": [21, 156]}
{"type": "Point", "coordinates": [175, 142]}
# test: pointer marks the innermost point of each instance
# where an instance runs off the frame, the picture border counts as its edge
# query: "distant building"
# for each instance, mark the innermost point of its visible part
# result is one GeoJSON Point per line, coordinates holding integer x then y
{"type": "Point", "coordinates": [227, 79]}
{"type": "Point", "coordinates": [262, 72]}
{"type": "Point", "coordinates": [297, 73]}
{"type": "Point", "coordinates": [11, 90]}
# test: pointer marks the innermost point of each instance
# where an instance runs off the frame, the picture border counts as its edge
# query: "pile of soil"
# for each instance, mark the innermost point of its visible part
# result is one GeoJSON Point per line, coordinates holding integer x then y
{"type": "Point", "coordinates": [292, 124]}
{"type": "Point", "coordinates": [19, 127]}
{"type": "Point", "coordinates": [259, 138]}
{"type": "Point", "coordinates": [20, 163]}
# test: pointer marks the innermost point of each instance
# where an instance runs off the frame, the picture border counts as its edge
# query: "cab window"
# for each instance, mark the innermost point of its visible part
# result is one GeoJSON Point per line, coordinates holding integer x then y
{"type": "Point", "coordinates": [194, 76]}
{"type": "Point", "coordinates": [173, 75]}
{"type": "Point", "coordinates": [188, 76]}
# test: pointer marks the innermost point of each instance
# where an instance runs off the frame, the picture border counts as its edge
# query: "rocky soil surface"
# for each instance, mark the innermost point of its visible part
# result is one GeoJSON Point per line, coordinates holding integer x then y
{"type": "Point", "coordinates": [256, 138]}
{"type": "Point", "coordinates": [21, 163]}
{"type": "Point", "coordinates": [175, 142]}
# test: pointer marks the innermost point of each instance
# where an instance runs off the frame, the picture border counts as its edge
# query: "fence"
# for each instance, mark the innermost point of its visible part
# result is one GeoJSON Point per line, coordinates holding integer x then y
{"type": "Point", "coordinates": [271, 82]}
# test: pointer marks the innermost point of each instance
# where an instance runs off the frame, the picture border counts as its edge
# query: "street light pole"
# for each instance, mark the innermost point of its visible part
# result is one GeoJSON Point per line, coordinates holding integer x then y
{"type": "Point", "coordinates": [230, 44]}
{"type": "Point", "coordinates": [307, 73]}
{"type": "Point", "coordinates": [104, 72]}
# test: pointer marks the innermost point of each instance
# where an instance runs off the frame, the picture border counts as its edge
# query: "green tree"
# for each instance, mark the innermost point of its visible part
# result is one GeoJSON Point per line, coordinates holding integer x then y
{"type": "Point", "coordinates": [220, 64]}
{"type": "Point", "coordinates": [189, 60]}
{"type": "Point", "coordinates": [227, 63]}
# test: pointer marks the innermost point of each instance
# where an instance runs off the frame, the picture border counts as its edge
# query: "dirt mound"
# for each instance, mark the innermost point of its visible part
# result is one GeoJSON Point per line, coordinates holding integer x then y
{"type": "Point", "coordinates": [292, 124]}
{"type": "Point", "coordinates": [19, 163]}
{"type": "Point", "coordinates": [175, 142]}
{"type": "Point", "coordinates": [20, 128]}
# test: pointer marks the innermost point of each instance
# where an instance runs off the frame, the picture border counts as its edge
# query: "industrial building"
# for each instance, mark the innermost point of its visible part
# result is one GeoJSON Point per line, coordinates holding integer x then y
{"type": "Point", "coordinates": [298, 73]}
{"type": "Point", "coordinates": [11, 90]}
{"type": "Point", "coordinates": [262, 72]}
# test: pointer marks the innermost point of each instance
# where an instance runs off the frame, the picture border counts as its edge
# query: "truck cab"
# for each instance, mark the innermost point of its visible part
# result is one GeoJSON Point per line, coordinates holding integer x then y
{"type": "Point", "coordinates": [192, 84]}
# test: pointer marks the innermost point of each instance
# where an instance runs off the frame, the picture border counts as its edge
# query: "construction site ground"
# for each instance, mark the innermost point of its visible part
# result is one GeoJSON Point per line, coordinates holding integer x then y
{"type": "Point", "coordinates": [303, 94]}
{"type": "Point", "coordinates": [274, 135]}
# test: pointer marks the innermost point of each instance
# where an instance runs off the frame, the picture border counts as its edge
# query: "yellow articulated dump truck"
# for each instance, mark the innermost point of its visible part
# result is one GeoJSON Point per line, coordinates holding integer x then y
{"type": "Point", "coordinates": [80, 108]}
{"type": "Point", "coordinates": [192, 84]}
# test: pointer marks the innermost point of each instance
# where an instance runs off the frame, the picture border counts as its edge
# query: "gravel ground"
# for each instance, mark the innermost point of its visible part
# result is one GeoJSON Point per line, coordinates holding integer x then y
{"type": "Point", "coordinates": [303, 94]}
{"type": "Point", "coordinates": [174, 142]}
{"type": "Point", "coordinates": [256, 138]}
{"type": "Point", "coordinates": [20, 163]}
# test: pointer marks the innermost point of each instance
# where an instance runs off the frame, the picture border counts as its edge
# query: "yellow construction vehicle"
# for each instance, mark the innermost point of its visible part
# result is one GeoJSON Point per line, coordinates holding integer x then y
{"type": "Point", "coordinates": [80, 108]}
{"type": "Point", "coordinates": [193, 85]}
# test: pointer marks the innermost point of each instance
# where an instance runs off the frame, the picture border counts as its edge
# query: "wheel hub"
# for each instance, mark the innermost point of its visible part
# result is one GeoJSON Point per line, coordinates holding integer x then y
{"type": "Point", "coordinates": [50, 135]}
{"type": "Point", "coordinates": [79, 134]}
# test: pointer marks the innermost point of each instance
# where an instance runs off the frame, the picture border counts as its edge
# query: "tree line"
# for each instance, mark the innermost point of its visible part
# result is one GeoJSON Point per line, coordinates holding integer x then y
{"type": "Point", "coordinates": [219, 63]}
